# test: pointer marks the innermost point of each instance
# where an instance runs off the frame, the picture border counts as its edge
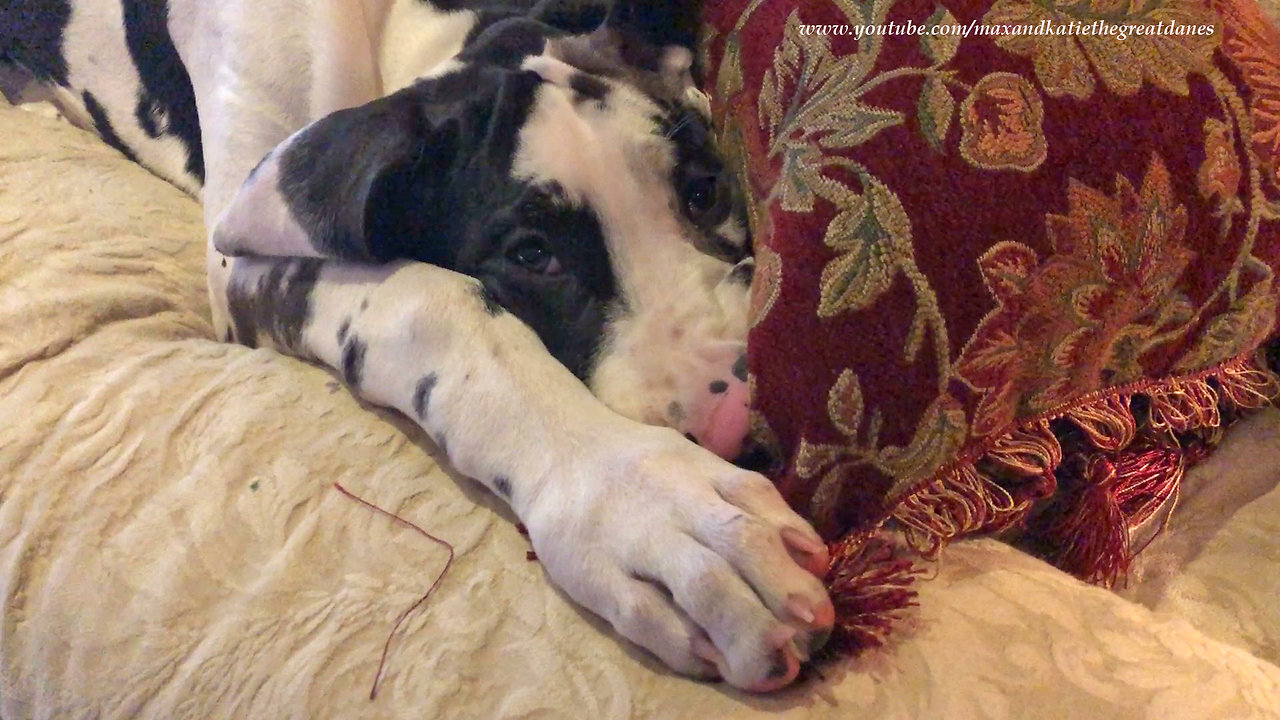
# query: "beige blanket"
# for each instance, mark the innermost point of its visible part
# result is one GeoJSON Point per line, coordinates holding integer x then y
{"type": "Point", "coordinates": [171, 545]}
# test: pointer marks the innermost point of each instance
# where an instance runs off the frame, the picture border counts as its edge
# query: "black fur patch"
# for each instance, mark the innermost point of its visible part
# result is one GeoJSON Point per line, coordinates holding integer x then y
{"type": "Point", "coordinates": [102, 124]}
{"type": "Point", "coordinates": [422, 395]}
{"type": "Point", "coordinates": [505, 43]}
{"type": "Point", "coordinates": [743, 273]}
{"type": "Point", "coordinates": [589, 87]}
{"type": "Point", "coordinates": [353, 362]}
{"type": "Point", "coordinates": [166, 103]}
{"type": "Point", "coordinates": [491, 304]}
{"type": "Point", "coordinates": [279, 304]}
{"type": "Point", "coordinates": [31, 36]}
{"type": "Point", "coordinates": [740, 368]}
{"type": "Point", "coordinates": [718, 386]}
{"type": "Point", "coordinates": [502, 486]}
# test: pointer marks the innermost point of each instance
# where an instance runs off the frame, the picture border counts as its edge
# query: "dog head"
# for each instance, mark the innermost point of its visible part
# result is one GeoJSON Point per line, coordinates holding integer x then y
{"type": "Point", "coordinates": [565, 160]}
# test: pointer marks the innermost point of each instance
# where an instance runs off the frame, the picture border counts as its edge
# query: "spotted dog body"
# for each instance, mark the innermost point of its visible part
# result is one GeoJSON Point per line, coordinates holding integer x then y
{"type": "Point", "coordinates": [508, 223]}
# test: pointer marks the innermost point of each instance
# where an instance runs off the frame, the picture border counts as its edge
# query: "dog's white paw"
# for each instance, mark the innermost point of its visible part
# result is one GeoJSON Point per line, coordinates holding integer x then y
{"type": "Point", "coordinates": [699, 562]}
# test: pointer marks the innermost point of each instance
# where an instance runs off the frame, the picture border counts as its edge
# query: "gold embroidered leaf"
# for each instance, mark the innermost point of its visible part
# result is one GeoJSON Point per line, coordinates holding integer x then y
{"type": "Point", "coordinates": [1244, 325]}
{"type": "Point", "coordinates": [872, 236]}
{"type": "Point", "coordinates": [855, 279]}
{"type": "Point", "coordinates": [844, 403]}
{"type": "Point", "coordinates": [845, 122]}
{"type": "Point", "coordinates": [802, 63]}
{"type": "Point", "coordinates": [937, 439]}
{"type": "Point", "coordinates": [800, 177]}
{"type": "Point", "coordinates": [1066, 63]}
{"type": "Point", "coordinates": [935, 111]}
{"type": "Point", "coordinates": [826, 498]}
{"type": "Point", "coordinates": [942, 46]}
{"type": "Point", "coordinates": [729, 79]}
{"type": "Point", "coordinates": [808, 94]}
{"type": "Point", "coordinates": [811, 458]}
{"type": "Point", "coordinates": [915, 336]}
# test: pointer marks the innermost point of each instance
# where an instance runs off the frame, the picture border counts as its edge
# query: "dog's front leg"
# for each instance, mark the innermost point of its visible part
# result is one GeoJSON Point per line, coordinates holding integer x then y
{"type": "Point", "coordinates": [697, 561]}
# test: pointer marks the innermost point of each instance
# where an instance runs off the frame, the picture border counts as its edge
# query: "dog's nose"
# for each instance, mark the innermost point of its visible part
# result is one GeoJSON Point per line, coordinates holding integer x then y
{"type": "Point", "coordinates": [723, 428]}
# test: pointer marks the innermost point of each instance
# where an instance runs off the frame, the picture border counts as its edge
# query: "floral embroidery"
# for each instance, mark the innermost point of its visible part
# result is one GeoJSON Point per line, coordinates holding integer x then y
{"type": "Point", "coordinates": [1085, 316]}
{"type": "Point", "coordinates": [1219, 174]}
{"type": "Point", "coordinates": [1002, 124]}
{"type": "Point", "coordinates": [1065, 63]}
{"type": "Point", "coordinates": [1254, 46]}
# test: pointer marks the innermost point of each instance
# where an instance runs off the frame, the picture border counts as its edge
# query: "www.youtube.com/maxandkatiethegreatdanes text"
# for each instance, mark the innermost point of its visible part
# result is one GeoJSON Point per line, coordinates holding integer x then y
{"type": "Point", "coordinates": [1097, 28]}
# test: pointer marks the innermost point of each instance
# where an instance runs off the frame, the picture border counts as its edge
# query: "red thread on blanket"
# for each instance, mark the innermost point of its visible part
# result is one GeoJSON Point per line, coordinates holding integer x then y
{"type": "Point", "coordinates": [386, 646]}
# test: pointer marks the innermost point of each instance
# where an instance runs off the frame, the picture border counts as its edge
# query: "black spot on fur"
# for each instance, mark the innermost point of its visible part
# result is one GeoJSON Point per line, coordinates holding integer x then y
{"type": "Point", "coordinates": [422, 395]}
{"type": "Point", "coordinates": [102, 124]}
{"type": "Point", "coordinates": [224, 262]}
{"type": "Point", "coordinates": [166, 102]}
{"type": "Point", "coordinates": [353, 362]}
{"type": "Point", "coordinates": [740, 368]}
{"type": "Point", "coordinates": [491, 304]}
{"type": "Point", "coordinates": [279, 304]}
{"type": "Point", "coordinates": [675, 411]}
{"type": "Point", "coordinates": [502, 486]}
{"type": "Point", "coordinates": [589, 87]}
{"type": "Point", "coordinates": [364, 304]}
{"type": "Point", "coordinates": [31, 36]}
{"type": "Point", "coordinates": [718, 386]}
{"type": "Point", "coordinates": [343, 329]}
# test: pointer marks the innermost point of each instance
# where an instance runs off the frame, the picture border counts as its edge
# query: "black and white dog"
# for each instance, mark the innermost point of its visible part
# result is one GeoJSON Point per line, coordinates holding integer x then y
{"type": "Point", "coordinates": [508, 223]}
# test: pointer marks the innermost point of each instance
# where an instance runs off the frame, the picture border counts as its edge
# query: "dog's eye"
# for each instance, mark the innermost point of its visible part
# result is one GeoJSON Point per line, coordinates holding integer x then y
{"type": "Point", "coordinates": [531, 253]}
{"type": "Point", "coordinates": [701, 197]}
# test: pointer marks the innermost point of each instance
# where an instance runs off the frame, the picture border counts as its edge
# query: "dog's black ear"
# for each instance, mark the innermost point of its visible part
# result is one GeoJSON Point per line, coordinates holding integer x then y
{"type": "Point", "coordinates": [377, 182]}
{"type": "Point", "coordinates": [337, 187]}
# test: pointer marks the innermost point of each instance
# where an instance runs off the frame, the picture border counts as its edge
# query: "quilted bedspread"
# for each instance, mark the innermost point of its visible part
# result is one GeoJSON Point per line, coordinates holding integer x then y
{"type": "Point", "coordinates": [171, 545]}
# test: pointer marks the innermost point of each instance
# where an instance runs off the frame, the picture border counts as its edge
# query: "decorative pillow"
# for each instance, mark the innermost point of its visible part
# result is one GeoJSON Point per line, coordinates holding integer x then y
{"type": "Point", "coordinates": [1005, 283]}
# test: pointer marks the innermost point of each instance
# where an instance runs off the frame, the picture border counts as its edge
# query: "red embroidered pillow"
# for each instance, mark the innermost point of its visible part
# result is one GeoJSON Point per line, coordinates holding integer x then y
{"type": "Point", "coordinates": [1004, 282]}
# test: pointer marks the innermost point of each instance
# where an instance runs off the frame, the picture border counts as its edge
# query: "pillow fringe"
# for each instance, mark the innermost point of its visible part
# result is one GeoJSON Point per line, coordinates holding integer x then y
{"type": "Point", "coordinates": [1130, 448]}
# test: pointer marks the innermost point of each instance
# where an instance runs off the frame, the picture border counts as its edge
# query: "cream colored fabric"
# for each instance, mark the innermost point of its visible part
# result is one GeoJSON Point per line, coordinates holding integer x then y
{"type": "Point", "coordinates": [171, 545]}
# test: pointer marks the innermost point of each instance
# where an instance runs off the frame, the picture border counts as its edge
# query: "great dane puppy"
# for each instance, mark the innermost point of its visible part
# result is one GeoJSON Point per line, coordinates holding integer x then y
{"type": "Point", "coordinates": [507, 222]}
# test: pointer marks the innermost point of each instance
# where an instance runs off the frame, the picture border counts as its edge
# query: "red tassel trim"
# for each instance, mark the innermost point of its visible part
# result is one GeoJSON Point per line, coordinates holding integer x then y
{"type": "Point", "coordinates": [1126, 473]}
{"type": "Point", "coordinates": [1090, 537]}
{"type": "Point", "coordinates": [870, 586]}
